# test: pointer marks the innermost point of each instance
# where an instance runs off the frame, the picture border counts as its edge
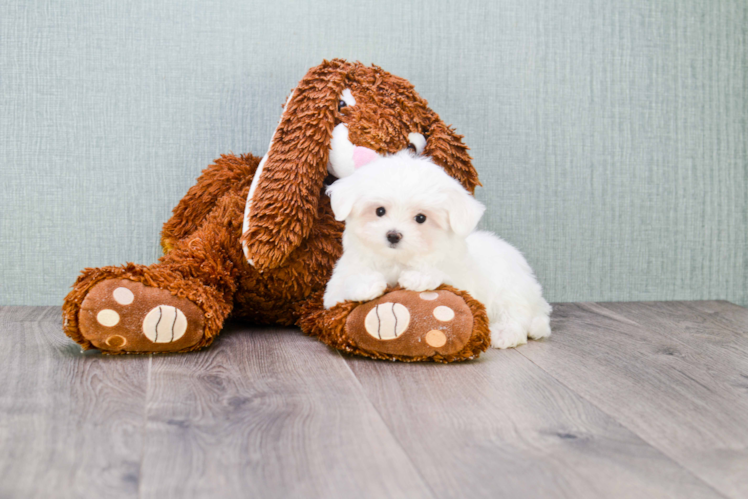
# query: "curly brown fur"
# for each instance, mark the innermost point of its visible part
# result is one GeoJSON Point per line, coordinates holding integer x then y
{"type": "Point", "coordinates": [224, 174]}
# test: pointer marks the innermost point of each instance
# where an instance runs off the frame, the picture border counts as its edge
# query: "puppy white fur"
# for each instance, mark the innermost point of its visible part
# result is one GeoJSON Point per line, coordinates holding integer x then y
{"type": "Point", "coordinates": [409, 223]}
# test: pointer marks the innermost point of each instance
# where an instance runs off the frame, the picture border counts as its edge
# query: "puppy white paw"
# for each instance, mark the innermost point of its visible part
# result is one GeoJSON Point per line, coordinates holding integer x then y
{"type": "Point", "coordinates": [507, 334]}
{"type": "Point", "coordinates": [364, 287]}
{"type": "Point", "coordinates": [331, 300]}
{"type": "Point", "coordinates": [419, 281]}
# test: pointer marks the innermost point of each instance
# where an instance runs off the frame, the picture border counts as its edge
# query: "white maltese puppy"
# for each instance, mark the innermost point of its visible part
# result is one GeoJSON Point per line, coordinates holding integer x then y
{"type": "Point", "coordinates": [409, 223]}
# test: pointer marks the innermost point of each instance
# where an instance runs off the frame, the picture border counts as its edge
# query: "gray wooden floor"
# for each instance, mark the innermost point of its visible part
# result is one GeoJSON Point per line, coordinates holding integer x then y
{"type": "Point", "coordinates": [625, 400]}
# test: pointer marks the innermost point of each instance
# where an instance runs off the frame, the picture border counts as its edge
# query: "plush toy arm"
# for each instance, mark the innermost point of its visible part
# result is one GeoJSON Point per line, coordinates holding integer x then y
{"type": "Point", "coordinates": [226, 173]}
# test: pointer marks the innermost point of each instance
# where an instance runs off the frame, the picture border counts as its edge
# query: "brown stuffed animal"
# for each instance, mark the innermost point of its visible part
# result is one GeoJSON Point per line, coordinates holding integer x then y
{"type": "Point", "coordinates": [257, 239]}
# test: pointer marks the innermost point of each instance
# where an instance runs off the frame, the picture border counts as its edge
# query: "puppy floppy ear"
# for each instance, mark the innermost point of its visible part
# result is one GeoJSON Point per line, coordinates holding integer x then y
{"type": "Point", "coordinates": [285, 202]}
{"type": "Point", "coordinates": [464, 212]}
{"type": "Point", "coordinates": [446, 148]}
{"type": "Point", "coordinates": [343, 195]}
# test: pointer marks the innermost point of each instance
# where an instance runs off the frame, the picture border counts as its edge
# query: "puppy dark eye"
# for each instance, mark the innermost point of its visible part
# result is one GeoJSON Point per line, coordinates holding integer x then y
{"type": "Point", "coordinates": [420, 218]}
{"type": "Point", "coordinates": [341, 104]}
{"type": "Point", "coordinates": [412, 148]}
{"type": "Point", "coordinates": [381, 211]}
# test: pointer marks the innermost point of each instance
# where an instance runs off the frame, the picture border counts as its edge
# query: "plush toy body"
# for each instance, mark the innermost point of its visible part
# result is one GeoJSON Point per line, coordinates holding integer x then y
{"type": "Point", "coordinates": [256, 238]}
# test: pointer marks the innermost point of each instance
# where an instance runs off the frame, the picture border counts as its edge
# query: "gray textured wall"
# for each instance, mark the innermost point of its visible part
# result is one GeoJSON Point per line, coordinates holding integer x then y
{"type": "Point", "coordinates": [610, 136]}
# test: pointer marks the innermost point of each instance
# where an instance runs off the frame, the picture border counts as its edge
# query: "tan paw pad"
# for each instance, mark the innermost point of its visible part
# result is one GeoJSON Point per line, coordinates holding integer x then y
{"type": "Point", "coordinates": [123, 296]}
{"type": "Point", "coordinates": [116, 341]}
{"type": "Point", "coordinates": [444, 313]}
{"type": "Point", "coordinates": [436, 338]}
{"type": "Point", "coordinates": [107, 317]}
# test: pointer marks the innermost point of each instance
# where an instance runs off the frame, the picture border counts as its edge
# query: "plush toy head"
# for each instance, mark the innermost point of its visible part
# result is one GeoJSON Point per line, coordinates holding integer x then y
{"type": "Point", "coordinates": [339, 117]}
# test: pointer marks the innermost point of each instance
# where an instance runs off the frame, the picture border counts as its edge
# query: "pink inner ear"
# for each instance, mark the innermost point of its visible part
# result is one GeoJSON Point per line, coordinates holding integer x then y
{"type": "Point", "coordinates": [362, 156]}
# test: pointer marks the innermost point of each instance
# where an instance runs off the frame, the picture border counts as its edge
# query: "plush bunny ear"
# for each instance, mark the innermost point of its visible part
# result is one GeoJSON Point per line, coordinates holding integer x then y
{"type": "Point", "coordinates": [446, 148]}
{"type": "Point", "coordinates": [464, 212]}
{"type": "Point", "coordinates": [285, 202]}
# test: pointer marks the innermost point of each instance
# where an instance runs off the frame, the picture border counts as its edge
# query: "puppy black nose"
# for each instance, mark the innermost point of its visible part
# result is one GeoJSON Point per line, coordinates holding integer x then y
{"type": "Point", "coordinates": [393, 237]}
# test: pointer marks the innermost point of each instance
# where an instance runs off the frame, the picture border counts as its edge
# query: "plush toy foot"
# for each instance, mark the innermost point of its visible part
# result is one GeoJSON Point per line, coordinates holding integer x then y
{"type": "Point", "coordinates": [444, 325]}
{"type": "Point", "coordinates": [120, 315]}
{"type": "Point", "coordinates": [412, 324]}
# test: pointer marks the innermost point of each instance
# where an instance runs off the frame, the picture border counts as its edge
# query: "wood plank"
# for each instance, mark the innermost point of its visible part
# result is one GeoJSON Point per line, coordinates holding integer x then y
{"type": "Point", "coordinates": [70, 424]}
{"type": "Point", "coordinates": [670, 373]}
{"type": "Point", "coordinates": [272, 413]}
{"type": "Point", "coordinates": [267, 413]}
{"type": "Point", "coordinates": [14, 314]}
{"type": "Point", "coordinates": [729, 316]}
{"type": "Point", "coordinates": [502, 427]}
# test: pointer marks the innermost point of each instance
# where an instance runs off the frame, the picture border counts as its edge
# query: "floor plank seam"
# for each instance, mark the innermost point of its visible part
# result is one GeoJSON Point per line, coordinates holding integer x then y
{"type": "Point", "coordinates": [144, 433]}
{"type": "Point", "coordinates": [716, 489]}
{"type": "Point", "coordinates": [387, 426]}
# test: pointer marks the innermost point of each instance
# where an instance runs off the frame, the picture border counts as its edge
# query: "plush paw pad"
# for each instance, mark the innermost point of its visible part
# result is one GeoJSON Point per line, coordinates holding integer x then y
{"type": "Point", "coordinates": [387, 321]}
{"type": "Point", "coordinates": [412, 324]}
{"type": "Point", "coordinates": [164, 324]}
{"type": "Point", "coordinates": [123, 315]}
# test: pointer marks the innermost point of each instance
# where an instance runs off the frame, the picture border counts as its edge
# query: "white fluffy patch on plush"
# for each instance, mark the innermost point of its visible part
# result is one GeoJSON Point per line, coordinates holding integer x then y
{"type": "Point", "coordinates": [348, 98]}
{"type": "Point", "coordinates": [340, 162]}
{"type": "Point", "coordinates": [418, 140]}
{"type": "Point", "coordinates": [248, 206]}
